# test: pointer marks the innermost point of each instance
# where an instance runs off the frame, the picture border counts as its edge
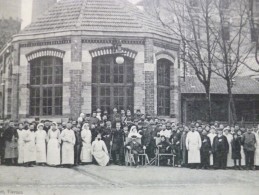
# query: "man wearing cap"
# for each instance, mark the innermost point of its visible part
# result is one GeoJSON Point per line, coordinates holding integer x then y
{"type": "Point", "coordinates": [93, 120]}
{"type": "Point", "coordinates": [115, 117]}
{"type": "Point", "coordinates": [249, 144]}
{"type": "Point", "coordinates": [136, 148]}
{"type": "Point", "coordinates": [46, 126]}
{"type": "Point", "coordinates": [220, 149]}
{"type": "Point", "coordinates": [193, 145]}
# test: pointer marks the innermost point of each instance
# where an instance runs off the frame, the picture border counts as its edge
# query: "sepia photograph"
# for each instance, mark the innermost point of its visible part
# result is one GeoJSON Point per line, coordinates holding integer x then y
{"type": "Point", "coordinates": [129, 97]}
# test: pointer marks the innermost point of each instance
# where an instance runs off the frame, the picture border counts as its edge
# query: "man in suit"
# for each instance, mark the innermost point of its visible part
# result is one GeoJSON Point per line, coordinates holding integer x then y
{"type": "Point", "coordinates": [136, 149]}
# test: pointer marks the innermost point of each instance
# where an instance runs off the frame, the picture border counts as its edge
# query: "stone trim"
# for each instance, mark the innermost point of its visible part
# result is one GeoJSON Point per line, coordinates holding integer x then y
{"type": "Point", "coordinates": [130, 42]}
{"type": "Point", "coordinates": [43, 43]}
{"type": "Point", "coordinates": [166, 45]}
{"type": "Point", "coordinates": [109, 51]}
{"type": "Point", "coordinates": [45, 52]}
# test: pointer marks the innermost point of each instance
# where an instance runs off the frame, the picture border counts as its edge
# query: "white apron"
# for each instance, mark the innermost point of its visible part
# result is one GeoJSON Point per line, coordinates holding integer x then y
{"type": "Point", "coordinates": [41, 136]}
{"type": "Point", "coordinates": [21, 143]}
{"type": "Point", "coordinates": [257, 149]}
{"type": "Point", "coordinates": [53, 154]}
{"type": "Point", "coordinates": [86, 154]}
{"type": "Point", "coordinates": [193, 145]}
{"type": "Point", "coordinates": [230, 162]}
{"type": "Point", "coordinates": [29, 147]}
{"type": "Point", "coordinates": [100, 152]}
{"type": "Point", "coordinates": [68, 138]}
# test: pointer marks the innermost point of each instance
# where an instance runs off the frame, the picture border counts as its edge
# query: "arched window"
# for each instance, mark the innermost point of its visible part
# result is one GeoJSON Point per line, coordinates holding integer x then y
{"type": "Point", "coordinates": [163, 87]}
{"type": "Point", "coordinates": [112, 83]}
{"type": "Point", "coordinates": [46, 86]}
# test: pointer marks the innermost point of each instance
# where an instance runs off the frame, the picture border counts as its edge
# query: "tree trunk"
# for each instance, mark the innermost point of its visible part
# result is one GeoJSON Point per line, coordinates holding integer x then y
{"type": "Point", "coordinates": [231, 105]}
{"type": "Point", "coordinates": [208, 105]}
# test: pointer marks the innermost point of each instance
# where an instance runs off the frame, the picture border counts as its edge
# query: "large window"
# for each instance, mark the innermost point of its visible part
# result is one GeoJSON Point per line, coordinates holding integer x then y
{"type": "Point", "coordinates": [163, 87]}
{"type": "Point", "coordinates": [46, 86]}
{"type": "Point", "coordinates": [112, 83]}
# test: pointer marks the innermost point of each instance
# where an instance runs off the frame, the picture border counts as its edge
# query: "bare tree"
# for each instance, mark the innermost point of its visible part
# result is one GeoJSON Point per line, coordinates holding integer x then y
{"type": "Point", "coordinates": [215, 39]}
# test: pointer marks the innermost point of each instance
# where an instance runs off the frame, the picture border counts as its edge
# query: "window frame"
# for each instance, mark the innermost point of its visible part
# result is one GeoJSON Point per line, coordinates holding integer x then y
{"type": "Point", "coordinates": [163, 102]}
{"type": "Point", "coordinates": [45, 80]}
{"type": "Point", "coordinates": [121, 76]}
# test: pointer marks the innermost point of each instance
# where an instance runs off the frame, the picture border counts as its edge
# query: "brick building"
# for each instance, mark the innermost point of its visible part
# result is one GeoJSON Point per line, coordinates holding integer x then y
{"type": "Point", "coordinates": [66, 62]}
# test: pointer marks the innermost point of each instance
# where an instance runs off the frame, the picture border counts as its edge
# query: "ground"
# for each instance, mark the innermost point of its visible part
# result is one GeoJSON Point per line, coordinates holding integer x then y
{"type": "Point", "coordinates": [119, 180]}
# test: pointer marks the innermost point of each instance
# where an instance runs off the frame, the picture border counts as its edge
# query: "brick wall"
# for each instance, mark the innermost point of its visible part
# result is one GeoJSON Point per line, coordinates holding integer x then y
{"type": "Point", "coordinates": [149, 77]}
{"type": "Point", "coordinates": [76, 99]}
{"type": "Point", "coordinates": [149, 92]}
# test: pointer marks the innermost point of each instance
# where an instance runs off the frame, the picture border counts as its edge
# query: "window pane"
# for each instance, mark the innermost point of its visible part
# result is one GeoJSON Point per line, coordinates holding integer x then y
{"type": "Point", "coordinates": [163, 89]}
{"type": "Point", "coordinates": [46, 71]}
{"type": "Point", "coordinates": [112, 83]}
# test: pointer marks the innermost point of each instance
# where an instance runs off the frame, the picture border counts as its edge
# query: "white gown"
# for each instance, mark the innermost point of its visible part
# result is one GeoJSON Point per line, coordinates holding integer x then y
{"type": "Point", "coordinates": [41, 154]}
{"type": "Point", "coordinates": [211, 136]}
{"type": "Point", "coordinates": [230, 162]}
{"type": "Point", "coordinates": [100, 152]}
{"type": "Point", "coordinates": [193, 145]}
{"type": "Point", "coordinates": [21, 143]}
{"type": "Point", "coordinates": [53, 150]}
{"type": "Point", "coordinates": [69, 140]}
{"type": "Point", "coordinates": [257, 149]}
{"type": "Point", "coordinates": [86, 154]}
{"type": "Point", "coordinates": [29, 146]}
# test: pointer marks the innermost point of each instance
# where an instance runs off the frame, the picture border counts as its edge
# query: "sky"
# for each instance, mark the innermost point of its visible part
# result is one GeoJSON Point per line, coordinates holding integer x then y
{"type": "Point", "coordinates": [27, 11]}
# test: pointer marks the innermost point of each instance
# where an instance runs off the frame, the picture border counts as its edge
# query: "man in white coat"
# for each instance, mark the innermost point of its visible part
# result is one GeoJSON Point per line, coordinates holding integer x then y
{"type": "Point", "coordinates": [68, 138]}
{"type": "Point", "coordinates": [193, 145]}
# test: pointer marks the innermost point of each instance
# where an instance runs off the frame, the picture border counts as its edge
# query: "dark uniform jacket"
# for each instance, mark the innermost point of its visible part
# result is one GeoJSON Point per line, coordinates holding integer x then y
{"type": "Point", "coordinates": [117, 139]}
{"type": "Point", "coordinates": [206, 145]}
{"type": "Point", "coordinates": [220, 144]}
{"type": "Point", "coordinates": [236, 148]}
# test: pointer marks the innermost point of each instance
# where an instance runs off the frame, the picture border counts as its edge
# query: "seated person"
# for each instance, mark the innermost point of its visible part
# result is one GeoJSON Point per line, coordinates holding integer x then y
{"type": "Point", "coordinates": [164, 148]}
{"type": "Point", "coordinates": [136, 148]}
{"type": "Point", "coordinates": [100, 152]}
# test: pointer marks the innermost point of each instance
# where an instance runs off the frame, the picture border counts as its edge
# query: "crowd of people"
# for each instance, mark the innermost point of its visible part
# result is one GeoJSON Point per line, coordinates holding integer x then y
{"type": "Point", "coordinates": [104, 139]}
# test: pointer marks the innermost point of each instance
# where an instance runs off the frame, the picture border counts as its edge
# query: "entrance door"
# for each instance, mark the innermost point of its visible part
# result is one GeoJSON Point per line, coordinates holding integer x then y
{"type": "Point", "coordinates": [112, 83]}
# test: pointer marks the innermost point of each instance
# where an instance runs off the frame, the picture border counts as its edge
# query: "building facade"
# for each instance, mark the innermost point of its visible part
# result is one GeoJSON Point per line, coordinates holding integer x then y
{"type": "Point", "coordinates": [66, 63]}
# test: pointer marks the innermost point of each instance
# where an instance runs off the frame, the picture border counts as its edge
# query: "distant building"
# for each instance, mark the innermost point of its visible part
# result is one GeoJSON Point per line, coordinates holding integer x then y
{"type": "Point", "coordinates": [87, 54]}
{"type": "Point", "coordinates": [10, 9]}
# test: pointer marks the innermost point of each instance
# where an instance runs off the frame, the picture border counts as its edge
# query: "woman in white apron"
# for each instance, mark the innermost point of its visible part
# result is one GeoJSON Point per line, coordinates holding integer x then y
{"type": "Point", "coordinates": [21, 132]}
{"type": "Point", "coordinates": [86, 135]}
{"type": "Point", "coordinates": [53, 149]}
{"type": "Point", "coordinates": [41, 137]}
{"type": "Point", "coordinates": [29, 147]}
{"type": "Point", "coordinates": [230, 162]}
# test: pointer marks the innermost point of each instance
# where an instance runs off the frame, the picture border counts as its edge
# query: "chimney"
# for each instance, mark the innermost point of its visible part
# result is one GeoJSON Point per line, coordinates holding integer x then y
{"type": "Point", "coordinates": [41, 6]}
